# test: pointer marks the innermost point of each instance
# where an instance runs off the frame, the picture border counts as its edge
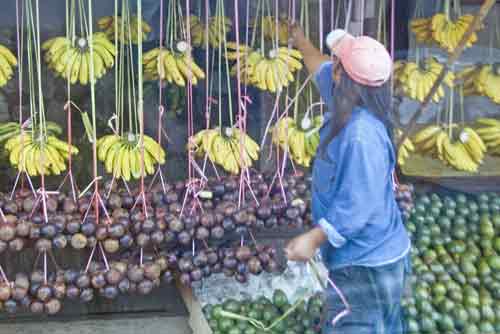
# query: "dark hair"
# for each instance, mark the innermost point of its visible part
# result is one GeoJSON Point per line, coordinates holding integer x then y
{"type": "Point", "coordinates": [348, 94]}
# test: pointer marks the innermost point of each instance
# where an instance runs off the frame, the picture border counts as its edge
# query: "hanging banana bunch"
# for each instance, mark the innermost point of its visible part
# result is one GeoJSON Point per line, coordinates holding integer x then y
{"type": "Point", "coordinates": [12, 129]}
{"type": "Point", "coordinates": [218, 27]}
{"type": "Point", "coordinates": [72, 62]}
{"type": "Point", "coordinates": [272, 73]}
{"type": "Point", "coordinates": [447, 33]}
{"type": "Point", "coordinates": [226, 148]}
{"type": "Point", "coordinates": [301, 140]}
{"type": "Point", "coordinates": [45, 156]}
{"type": "Point", "coordinates": [464, 154]}
{"type": "Point", "coordinates": [483, 80]}
{"type": "Point", "coordinates": [36, 150]}
{"type": "Point", "coordinates": [122, 156]}
{"type": "Point", "coordinates": [407, 148]}
{"type": "Point", "coordinates": [7, 62]}
{"type": "Point", "coordinates": [489, 131]}
{"type": "Point", "coordinates": [416, 81]}
{"type": "Point", "coordinates": [442, 30]}
{"type": "Point", "coordinates": [268, 26]}
{"type": "Point", "coordinates": [107, 25]}
{"type": "Point", "coordinates": [173, 62]}
{"type": "Point", "coordinates": [176, 67]}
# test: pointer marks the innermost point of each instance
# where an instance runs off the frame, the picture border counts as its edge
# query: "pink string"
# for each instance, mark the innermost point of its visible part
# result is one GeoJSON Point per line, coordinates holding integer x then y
{"type": "Point", "coordinates": [347, 310]}
{"type": "Point", "coordinates": [45, 267]}
{"type": "Point", "coordinates": [90, 258]}
{"type": "Point", "coordinates": [4, 277]}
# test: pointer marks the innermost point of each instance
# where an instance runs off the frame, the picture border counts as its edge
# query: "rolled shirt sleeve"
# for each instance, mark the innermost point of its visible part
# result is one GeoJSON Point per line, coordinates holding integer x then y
{"type": "Point", "coordinates": [358, 185]}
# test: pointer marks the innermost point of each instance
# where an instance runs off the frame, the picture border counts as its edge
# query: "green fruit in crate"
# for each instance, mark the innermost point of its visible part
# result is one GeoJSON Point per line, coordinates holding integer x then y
{"type": "Point", "coordinates": [280, 298]}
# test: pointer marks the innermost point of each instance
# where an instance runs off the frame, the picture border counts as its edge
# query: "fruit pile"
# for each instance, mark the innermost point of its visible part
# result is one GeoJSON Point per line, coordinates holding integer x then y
{"type": "Point", "coordinates": [405, 198]}
{"type": "Point", "coordinates": [416, 81]}
{"type": "Point", "coordinates": [234, 261]}
{"type": "Point", "coordinates": [122, 156]}
{"type": "Point", "coordinates": [229, 148]}
{"type": "Point", "coordinates": [465, 154]}
{"type": "Point", "coordinates": [25, 225]}
{"type": "Point", "coordinates": [72, 61]}
{"type": "Point", "coordinates": [443, 31]}
{"type": "Point", "coordinates": [39, 295]}
{"type": "Point", "coordinates": [173, 66]}
{"type": "Point", "coordinates": [482, 80]}
{"type": "Point", "coordinates": [272, 73]}
{"type": "Point", "coordinates": [304, 320]}
{"type": "Point", "coordinates": [107, 25]}
{"type": "Point", "coordinates": [7, 61]}
{"type": "Point", "coordinates": [302, 141]}
{"type": "Point", "coordinates": [456, 264]}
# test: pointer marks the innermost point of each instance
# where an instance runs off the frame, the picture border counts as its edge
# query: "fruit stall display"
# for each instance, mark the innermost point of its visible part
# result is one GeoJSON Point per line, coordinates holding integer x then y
{"type": "Point", "coordinates": [456, 263]}
{"type": "Point", "coordinates": [457, 139]}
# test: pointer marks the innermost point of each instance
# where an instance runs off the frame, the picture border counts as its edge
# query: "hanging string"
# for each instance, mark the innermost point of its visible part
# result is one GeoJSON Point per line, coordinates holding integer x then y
{"type": "Point", "coordinates": [70, 34]}
{"type": "Point", "coordinates": [393, 27]}
{"type": "Point", "coordinates": [97, 199]}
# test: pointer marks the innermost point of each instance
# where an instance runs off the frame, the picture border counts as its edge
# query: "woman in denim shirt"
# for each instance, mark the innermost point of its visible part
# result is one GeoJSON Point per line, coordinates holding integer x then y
{"type": "Point", "coordinates": [359, 228]}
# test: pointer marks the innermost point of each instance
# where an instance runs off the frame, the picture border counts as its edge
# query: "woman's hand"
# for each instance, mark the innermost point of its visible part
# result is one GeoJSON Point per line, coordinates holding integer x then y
{"type": "Point", "coordinates": [304, 247]}
{"type": "Point", "coordinates": [313, 58]}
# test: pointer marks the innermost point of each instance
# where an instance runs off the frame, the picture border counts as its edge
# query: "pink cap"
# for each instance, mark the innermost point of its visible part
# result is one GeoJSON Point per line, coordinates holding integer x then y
{"type": "Point", "coordinates": [364, 59]}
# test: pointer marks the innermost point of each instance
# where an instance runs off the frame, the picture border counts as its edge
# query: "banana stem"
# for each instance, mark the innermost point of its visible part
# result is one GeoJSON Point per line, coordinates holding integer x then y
{"type": "Point", "coordinates": [94, 123]}
{"type": "Point", "coordinates": [140, 103]}
{"type": "Point", "coordinates": [447, 4]}
{"type": "Point", "coordinates": [228, 78]}
{"type": "Point", "coordinates": [256, 19]}
{"type": "Point", "coordinates": [450, 113]}
{"type": "Point", "coordinates": [462, 109]}
{"type": "Point", "coordinates": [219, 66]}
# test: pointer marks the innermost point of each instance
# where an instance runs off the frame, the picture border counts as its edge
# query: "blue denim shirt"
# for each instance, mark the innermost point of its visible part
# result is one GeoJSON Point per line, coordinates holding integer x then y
{"type": "Point", "coordinates": [352, 190]}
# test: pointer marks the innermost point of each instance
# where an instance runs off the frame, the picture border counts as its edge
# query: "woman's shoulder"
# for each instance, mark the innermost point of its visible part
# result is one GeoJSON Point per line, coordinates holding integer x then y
{"type": "Point", "coordinates": [365, 128]}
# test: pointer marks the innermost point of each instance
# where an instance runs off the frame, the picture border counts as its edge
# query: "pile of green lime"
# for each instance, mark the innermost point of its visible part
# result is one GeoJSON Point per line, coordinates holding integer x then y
{"type": "Point", "coordinates": [456, 264]}
{"type": "Point", "coordinates": [305, 319]}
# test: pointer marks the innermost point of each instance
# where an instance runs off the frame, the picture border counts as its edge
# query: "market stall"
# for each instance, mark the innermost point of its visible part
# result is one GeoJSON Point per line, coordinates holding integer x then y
{"type": "Point", "coordinates": [163, 148]}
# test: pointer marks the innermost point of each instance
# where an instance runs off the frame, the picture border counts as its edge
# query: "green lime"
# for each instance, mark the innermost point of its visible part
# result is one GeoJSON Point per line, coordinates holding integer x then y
{"type": "Point", "coordinates": [450, 213]}
{"type": "Point", "coordinates": [438, 290]}
{"type": "Point", "coordinates": [473, 206]}
{"type": "Point", "coordinates": [494, 262]}
{"type": "Point", "coordinates": [461, 199]}
{"type": "Point", "coordinates": [445, 323]}
{"type": "Point", "coordinates": [471, 329]}
{"type": "Point", "coordinates": [427, 325]}
{"type": "Point", "coordinates": [483, 198]}
{"type": "Point", "coordinates": [460, 316]}
{"type": "Point", "coordinates": [279, 298]}
{"type": "Point", "coordinates": [486, 328]}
